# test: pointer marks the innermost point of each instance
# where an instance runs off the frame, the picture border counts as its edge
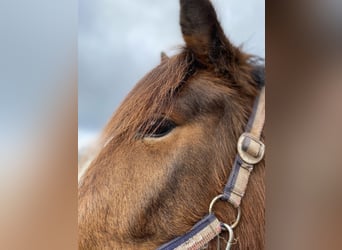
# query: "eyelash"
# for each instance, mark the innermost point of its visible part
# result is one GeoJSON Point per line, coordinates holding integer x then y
{"type": "Point", "coordinates": [159, 128]}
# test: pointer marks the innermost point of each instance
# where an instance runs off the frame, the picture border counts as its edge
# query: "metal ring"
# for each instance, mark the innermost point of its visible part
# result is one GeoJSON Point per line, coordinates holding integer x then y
{"type": "Point", "coordinates": [238, 217]}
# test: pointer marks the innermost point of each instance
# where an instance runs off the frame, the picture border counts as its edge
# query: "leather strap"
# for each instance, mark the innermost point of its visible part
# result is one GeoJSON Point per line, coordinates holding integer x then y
{"type": "Point", "coordinates": [250, 152]}
{"type": "Point", "coordinates": [204, 231]}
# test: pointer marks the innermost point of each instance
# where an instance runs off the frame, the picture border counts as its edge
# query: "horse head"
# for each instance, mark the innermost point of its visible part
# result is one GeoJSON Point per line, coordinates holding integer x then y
{"type": "Point", "coordinates": [169, 148]}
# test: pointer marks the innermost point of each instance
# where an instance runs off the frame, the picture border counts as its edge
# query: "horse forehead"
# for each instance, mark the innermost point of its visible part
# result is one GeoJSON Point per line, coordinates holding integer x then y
{"type": "Point", "coordinates": [202, 93]}
{"type": "Point", "coordinates": [205, 92]}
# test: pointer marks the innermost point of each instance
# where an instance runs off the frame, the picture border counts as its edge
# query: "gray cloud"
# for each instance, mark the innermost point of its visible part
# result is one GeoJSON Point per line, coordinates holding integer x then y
{"type": "Point", "coordinates": [120, 41]}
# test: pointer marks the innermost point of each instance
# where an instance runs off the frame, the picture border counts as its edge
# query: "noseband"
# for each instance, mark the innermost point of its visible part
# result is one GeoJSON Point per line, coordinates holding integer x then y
{"type": "Point", "coordinates": [250, 152]}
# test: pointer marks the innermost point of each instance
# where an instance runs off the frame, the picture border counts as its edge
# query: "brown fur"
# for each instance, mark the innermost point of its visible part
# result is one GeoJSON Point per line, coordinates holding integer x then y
{"type": "Point", "coordinates": [141, 192]}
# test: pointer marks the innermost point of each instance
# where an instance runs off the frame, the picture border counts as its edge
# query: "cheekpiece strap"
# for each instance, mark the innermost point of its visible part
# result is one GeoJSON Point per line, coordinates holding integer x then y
{"type": "Point", "coordinates": [250, 152]}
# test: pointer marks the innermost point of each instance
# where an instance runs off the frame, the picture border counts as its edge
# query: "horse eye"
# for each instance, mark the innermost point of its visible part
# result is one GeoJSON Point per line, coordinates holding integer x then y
{"type": "Point", "coordinates": [159, 128]}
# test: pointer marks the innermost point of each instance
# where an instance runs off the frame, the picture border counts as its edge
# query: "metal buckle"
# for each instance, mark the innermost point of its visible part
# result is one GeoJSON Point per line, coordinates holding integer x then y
{"type": "Point", "coordinates": [250, 148]}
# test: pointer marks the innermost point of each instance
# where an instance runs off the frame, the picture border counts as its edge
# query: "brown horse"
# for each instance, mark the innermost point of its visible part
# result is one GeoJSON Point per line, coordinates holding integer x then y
{"type": "Point", "coordinates": [169, 148]}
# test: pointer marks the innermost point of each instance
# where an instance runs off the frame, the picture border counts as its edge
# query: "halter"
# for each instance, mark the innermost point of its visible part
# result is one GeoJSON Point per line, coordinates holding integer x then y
{"type": "Point", "coordinates": [250, 152]}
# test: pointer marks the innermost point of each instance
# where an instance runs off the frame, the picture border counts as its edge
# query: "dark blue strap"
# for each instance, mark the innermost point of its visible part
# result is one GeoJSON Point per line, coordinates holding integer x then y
{"type": "Point", "coordinates": [238, 162]}
{"type": "Point", "coordinates": [232, 178]}
{"type": "Point", "coordinates": [199, 226]}
{"type": "Point", "coordinates": [251, 119]}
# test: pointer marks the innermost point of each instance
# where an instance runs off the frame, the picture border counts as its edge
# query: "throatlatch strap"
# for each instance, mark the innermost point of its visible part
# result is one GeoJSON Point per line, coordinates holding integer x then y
{"type": "Point", "coordinates": [203, 232]}
{"type": "Point", "coordinates": [250, 152]}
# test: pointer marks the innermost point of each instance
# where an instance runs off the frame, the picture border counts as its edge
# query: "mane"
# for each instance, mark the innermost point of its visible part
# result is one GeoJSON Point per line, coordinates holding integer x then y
{"type": "Point", "coordinates": [151, 98]}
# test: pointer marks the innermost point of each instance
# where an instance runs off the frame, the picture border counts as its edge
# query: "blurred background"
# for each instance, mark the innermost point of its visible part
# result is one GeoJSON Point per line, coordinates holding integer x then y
{"type": "Point", "coordinates": [41, 63]}
{"type": "Point", "coordinates": [120, 41]}
{"type": "Point", "coordinates": [38, 124]}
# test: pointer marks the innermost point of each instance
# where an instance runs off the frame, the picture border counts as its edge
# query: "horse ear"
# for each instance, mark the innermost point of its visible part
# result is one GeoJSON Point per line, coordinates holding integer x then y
{"type": "Point", "coordinates": [163, 57]}
{"type": "Point", "coordinates": [202, 32]}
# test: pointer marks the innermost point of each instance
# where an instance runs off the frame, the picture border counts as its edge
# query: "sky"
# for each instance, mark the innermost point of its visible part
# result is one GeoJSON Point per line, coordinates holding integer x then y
{"type": "Point", "coordinates": [120, 41]}
{"type": "Point", "coordinates": [37, 57]}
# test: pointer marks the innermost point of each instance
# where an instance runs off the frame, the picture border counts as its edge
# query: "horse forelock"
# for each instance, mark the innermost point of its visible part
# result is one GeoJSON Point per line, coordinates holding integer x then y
{"type": "Point", "coordinates": [152, 97]}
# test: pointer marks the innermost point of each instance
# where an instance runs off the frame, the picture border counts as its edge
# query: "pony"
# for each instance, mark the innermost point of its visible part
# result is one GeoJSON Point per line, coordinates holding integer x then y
{"type": "Point", "coordinates": [170, 146]}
